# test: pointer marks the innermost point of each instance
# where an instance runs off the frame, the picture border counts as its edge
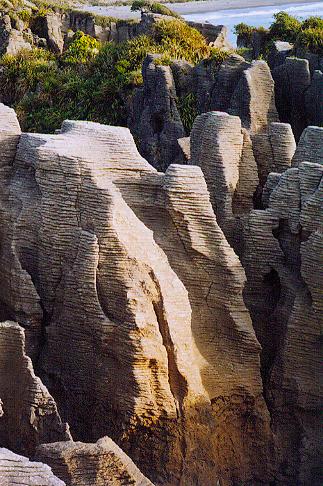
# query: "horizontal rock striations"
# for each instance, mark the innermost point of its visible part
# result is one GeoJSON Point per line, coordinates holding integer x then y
{"type": "Point", "coordinates": [29, 413]}
{"type": "Point", "coordinates": [18, 470]}
{"type": "Point", "coordinates": [138, 314]}
{"type": "Point", "coordinates": [283, 262]}
{"type": "Point", "coordinates": [127, 263]}
{"type": "Point", "coordinates": [80, 464]}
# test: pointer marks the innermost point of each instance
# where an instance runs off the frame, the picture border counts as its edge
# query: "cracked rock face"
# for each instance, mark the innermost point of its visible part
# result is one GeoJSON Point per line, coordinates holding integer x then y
{"type": "Point", "coordinates": [29, 413]}
{"type": "Point", "coordinates": [128, 267]}
{"type": "Point", "coordinates": [283, 262]}
{"type": "Point", "coordinates": [154, 119]}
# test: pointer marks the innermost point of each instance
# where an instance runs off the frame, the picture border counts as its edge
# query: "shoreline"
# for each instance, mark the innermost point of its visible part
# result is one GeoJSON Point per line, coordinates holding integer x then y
{"type": "Point", "coordinates": [191, 8]}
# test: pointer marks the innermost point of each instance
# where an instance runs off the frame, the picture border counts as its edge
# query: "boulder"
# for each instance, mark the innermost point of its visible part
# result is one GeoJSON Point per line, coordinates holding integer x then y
{"type": "Point", "coordinates": [80, 464]}
{"type": "Point", "coordinates": [214, 34]}
{"type": "Point", "coordinates": [19, 470]}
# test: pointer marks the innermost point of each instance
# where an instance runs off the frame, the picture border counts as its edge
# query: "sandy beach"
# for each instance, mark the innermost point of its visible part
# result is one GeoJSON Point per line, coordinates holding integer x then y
{"type": "Point", "coordinates": [194, 7]}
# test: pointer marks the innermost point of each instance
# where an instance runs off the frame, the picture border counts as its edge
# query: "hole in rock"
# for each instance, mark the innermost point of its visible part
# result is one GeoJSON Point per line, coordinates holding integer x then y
{"type": "Point", "coordinates": [157, 122]}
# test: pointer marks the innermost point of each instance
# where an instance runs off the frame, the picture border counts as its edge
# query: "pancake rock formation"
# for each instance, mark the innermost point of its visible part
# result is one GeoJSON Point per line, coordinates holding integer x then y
{"type": "Point", "coordinates": [29, 413]}
{"type": "Point", "coordinates": [139, 317]}
{"type": "Point", "coordinates": [283, 261]}
{"type": "Point", "coordinates": [136, 330]}
{"type": "Point", "coordinates": [82, 464]}
{"type": "Point", "coordinates": [18, 470]}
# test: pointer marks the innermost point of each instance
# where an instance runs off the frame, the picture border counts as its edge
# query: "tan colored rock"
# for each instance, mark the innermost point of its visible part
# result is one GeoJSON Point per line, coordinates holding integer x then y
{"type": "Point", "coordinates": [147, 336]}
{"type": "Point", "coordinates": [19, 471]}
{"type": "Point", "coordinates": [102, 463]}
{"type": "Point", "coordinates": [283, 262]}
{"type": "Point", "coordinates": [224, 152]}
{"type": "Point", "coordinates": [19, 300]}
{"type": "Point", "coordinates": [30, 414]}
{"type": "Point", "coordinates": [254, 98]}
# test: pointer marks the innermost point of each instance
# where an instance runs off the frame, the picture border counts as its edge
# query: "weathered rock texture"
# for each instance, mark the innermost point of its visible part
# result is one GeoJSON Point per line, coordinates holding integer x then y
{"type": "Point", "coordinates": [132, 299]}
{"type": "Point", "coordinates": [147, 338]}
{"type": "Point", "coordinates": [29, 413]}
{"type": "Point", "coordinates": [103, 463]}
{"type": "Point", "coordinates": [19, 471]}
{"type": "Point", "coordinates": [224, 151]}
{"type": "Point", "coordinates": [292, 79]}
{"type": "Point", "coordinates": [313, 100]}
{"type": "Point", "coordinates": [154, 119]}
{"type": "Point", "coordinates": [283, 262]}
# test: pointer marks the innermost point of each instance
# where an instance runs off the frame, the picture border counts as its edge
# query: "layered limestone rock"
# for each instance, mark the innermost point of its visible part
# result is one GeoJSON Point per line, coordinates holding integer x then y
{"type": "Point", "coordinates": [313, 100]}
{"type": "Point", "coordinates": [18, 470]}
{"type": "Point", "coordinates": [226, 80]}
{"type": "Point", "coordinates": [29, 413]}
{"type": "Point", "coordinates": [142, 309]}
{"type": "Point", "coordinates": [309, 147]}
{"type": "Point", "coordinates": [254, 99]}
{"type": "Point", "coordinates": [283, 262]}
{"type": "Point", "coordinates": [103, 463]}
{"type": "Point", "coordinates": [292, 78]}
{"type": "Point", "coordinates": [19, 300]}
{"type": "Point", "coordinates": [154, 119]}
{"type": "Point", "coordinates": [224, 151]}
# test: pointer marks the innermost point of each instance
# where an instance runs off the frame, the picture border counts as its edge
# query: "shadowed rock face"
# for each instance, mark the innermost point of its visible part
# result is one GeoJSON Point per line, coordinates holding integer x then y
{"type": "Point", "coordinates": [292, 79]}
{"type": "Point", "coordinates": [30, 416]}
{"type": "Point", "coordinates": [154, 119]}
{"type": "Point", "coordinates": [283, 262]}
{"type": "Point", "coordinates": [138, 329]}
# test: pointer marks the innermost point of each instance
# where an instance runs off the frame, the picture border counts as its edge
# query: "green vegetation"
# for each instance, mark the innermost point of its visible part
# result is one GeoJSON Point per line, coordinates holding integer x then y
{"type": "Point", "coordinates": [157, 8]}
{"type": "Point", "coordinates": [311, 40]}
{"type": "Point", "coordinates": [307, 34]}
{"type": "Point", "coordinates": [285, 27]}
{"type": "Point", "coordinates": [188, 111]}
{"type": "Point", "coordinates": [94, 82]}
{"type": "Point", "coordinates": [245, 31]}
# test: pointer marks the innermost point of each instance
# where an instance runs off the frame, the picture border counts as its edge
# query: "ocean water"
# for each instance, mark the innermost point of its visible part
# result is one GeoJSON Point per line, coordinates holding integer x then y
{"type": "Point", "coordinates": [256, 16]}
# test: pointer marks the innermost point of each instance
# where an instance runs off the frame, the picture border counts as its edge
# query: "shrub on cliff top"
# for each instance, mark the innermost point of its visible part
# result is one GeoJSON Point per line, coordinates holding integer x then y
{"type": "Point", "coordinates": [93, 82]}
{"type": "Point", "coordinates": [311, 40]}
{"type": "Point", "coordinates": [285, 27]}
{"type": "Point", "coordinates": [154, 7]}
{"type": "Point", "coordinates": [81, 50]}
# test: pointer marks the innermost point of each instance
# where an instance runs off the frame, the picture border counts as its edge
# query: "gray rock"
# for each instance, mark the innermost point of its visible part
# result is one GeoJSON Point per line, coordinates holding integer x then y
{"type": "Point", "coordinates": [292, 78]}
{"type": "Point", "coordinates": [278, 53]}
{"type": "Point", "coordinates": [314, 100]}
{"type": "Point", "coordinates": [154, 118]}
{"type": "Point", "coordinates": [49, 27]}
{"type": "Point", "coordinates": [225, 82]}
{"type": "Point", "coordinates": [18, 470]}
